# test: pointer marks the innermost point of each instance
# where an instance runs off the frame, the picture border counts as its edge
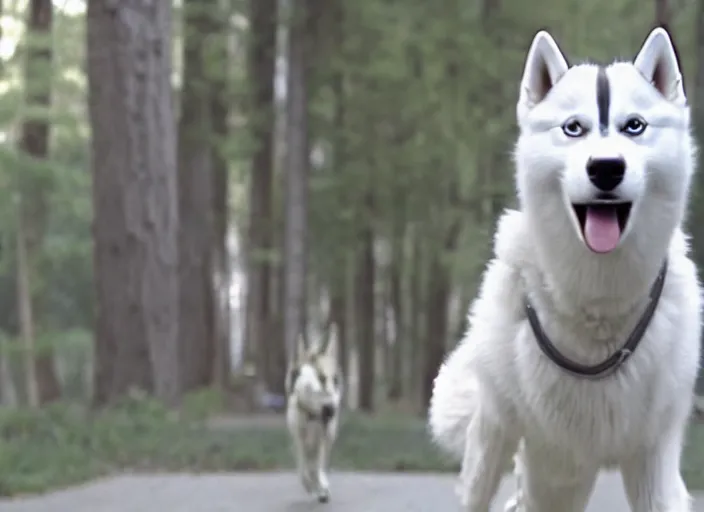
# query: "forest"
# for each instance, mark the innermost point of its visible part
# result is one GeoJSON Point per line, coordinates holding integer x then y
{"type": "Point", "coordinates": [186, 186]}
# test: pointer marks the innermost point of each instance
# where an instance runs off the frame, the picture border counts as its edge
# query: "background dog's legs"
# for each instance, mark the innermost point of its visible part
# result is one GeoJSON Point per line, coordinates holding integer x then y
{"type": "Point", "coordinates": [304, 467]}
{"type": "Point", "coordinates": [653, 481]}
{"type": "Point", "coordinates": [488, 451]}
{"type": "Point", "coordinates": [322, 467]}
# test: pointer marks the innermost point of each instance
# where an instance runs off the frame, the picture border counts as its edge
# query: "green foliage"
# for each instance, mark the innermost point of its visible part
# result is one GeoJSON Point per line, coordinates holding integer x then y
{"type": "Point", "coordinates": [693, 457]}
{"type": "Point", "coordinates": [64, 444]}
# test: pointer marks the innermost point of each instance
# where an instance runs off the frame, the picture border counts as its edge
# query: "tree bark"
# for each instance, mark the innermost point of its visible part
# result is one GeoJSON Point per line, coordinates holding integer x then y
{"type": "Point", "coordinates": [220, 252]}
{"type": "Point", "coordinates": [135, 199]}
{"type": "Point", "coordinates": [663, 14]}
{"type": "Point", "coordinates": [338, 316]}
{"type": "Point", "coordinates": [266, 347]}
{"type": "Point", "coordinates": [297, 164]}
{"type": "Point", "coordinates": [24, 303]}
{"type": "Point", "coordinates": [697, 201]}
{"type": "Point", "coordinates": [395, 391]}
{"type": "Point", "coordinates": [338, 279]}
{"type": "Point", "coordinates": [415, 324]}
{"type": "Point", "coordinates": [438, 298]}
{"type": "Point", "coordinates": [365, 279]}
{"type": "Point", "coordinates": [34, 142]}
{"type": "Point", "coordinates": [203, 35]}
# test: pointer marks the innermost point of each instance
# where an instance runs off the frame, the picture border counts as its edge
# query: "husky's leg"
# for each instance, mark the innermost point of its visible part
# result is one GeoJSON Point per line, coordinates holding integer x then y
{"type": "Point", "coordinates": [544, 494]}
{"type": "Point", "coordinates": [323, 490]}
{"type": "Point", "coordinates": [652, 479]}
{"type": "Point", "coordinates": [514, 503]}
{"type": "Point", "coordinates": [549, 482]}
{"type": "Point", "coordinates": [303, 464]}
{"type": "Point", "coordinates": [487, 453]}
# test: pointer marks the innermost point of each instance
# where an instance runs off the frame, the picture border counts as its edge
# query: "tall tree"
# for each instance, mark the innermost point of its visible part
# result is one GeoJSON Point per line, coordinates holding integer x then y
{"type": "Point", "coordinates": [261, 336]}
{"type": "Point", "coordinates": [134, 198]}
{"type": "Point", "coordinates": [697, 202]}
{"type": "Point", "coordinates": [203, 41]}
{"type": "Point", "coordinates": [365, 306]}
{"type": "Point", "coordinates": [663, 13]}
{"type": "Point", "coordinates": [34, 189]}
{"type": "Point", "coordinates": [297, 171]}
{"type": "Point", "coordinates": [220, 110]}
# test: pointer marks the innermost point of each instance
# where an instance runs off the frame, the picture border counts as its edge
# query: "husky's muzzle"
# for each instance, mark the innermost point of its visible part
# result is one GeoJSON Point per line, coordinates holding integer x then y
{"type": "Point", "coordinates": [603, 220]}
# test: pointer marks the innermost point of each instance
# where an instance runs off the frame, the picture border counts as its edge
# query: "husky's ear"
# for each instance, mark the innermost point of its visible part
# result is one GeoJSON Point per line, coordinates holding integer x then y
{"type": "Point", "coordinates": [330, 348]}
{"type": "Point", "coordinates": [545, 65]}
{"type": "Point", "coordinates": [657, 62]}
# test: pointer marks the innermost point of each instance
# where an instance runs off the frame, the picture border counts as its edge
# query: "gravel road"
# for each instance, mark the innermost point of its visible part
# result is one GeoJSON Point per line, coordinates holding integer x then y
{"type": "Point", "coordinates": [279, 492]}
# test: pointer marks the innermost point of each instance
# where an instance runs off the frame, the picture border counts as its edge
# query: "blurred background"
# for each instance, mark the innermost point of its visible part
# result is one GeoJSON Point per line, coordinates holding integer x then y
{"type": "Point", "coordinates": [185, 186]}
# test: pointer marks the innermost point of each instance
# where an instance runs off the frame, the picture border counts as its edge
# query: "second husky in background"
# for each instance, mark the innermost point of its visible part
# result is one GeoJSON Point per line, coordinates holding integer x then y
{"type": "Point", "coordinates": [314, 391]}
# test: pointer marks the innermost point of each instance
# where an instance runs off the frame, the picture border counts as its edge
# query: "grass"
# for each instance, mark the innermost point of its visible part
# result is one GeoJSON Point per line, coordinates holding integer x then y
{"type": "Point", "coordinates": [693, 457]}
{"type": "Point", "coordinates": [63, 445]}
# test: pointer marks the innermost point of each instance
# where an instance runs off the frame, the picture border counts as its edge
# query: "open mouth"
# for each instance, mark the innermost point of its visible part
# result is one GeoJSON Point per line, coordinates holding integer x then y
{"type": "Point", "coordinates": [603, 223]}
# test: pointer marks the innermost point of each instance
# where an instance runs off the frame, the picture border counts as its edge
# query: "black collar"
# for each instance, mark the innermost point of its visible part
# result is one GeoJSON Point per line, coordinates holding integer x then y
{"type": "Point", "coordinates": [613, 363]}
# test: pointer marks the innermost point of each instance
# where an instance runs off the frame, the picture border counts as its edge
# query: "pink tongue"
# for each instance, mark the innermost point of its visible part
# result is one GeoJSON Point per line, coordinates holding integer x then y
{"type": "Point", "coordinates": [601, 229]}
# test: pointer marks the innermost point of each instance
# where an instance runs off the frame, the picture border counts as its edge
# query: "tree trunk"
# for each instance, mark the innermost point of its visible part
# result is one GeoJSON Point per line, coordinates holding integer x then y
{"type": "Point", "coordinates": [338, 279]}
{"type": "Point", "coordinates": [437, 325]}
{"type": "Point", "coordinates": [696, 218]}
{"type": "Point", "coordinates": [415, 323]}
{"type": "Point", "coordinates": [365, 310]}
{"type": "Point", "coordinates": [8, 391]}
{"type": "Point", "coordinates": [24, 303]}
{"type": "Point", "coordinates": [196, 143]}
{"type": "Point", "coordinates": [438, 298]}
{"type": "Point", "coordinates": [265, 345]}
{"type": "Point", "coordinates": [135, 199]}
{"type": "Point", "coordinates": [338, 316]}
{"type": "Point", "coordinates": [297, 163]}
{"type": "Point", "coordinates": [34, 142]}
{"type": "Point", "coordinates": [400, 342]}
{"type": "Point", "coordinates": [220, 251]}
{"type": "Point", "coordinates": [663, 13]}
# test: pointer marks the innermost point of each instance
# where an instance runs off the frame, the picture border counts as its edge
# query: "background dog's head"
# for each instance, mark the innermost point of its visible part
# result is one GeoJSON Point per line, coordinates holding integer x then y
{"type": "Point", "coordinates": [313, 381]}
{"type": "Point", "coordinates": [604, 157]}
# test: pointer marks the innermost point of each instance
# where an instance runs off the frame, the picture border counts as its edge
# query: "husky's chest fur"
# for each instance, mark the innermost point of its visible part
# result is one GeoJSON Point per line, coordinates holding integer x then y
{"type": "Point", "coordinates": [611, 417]}
{"type": "Point", "coordinates": [311, 430]}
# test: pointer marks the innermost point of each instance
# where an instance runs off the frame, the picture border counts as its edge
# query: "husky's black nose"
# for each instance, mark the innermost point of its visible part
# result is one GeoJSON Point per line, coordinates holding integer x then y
{"type": "Point", "coordinates": [327, 412]}
{"type": "Point", "coordinates": [606, 173]}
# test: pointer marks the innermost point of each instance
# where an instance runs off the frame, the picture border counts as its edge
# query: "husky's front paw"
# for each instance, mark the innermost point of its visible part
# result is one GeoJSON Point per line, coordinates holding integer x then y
{"type": "Point", "coordinates": [462, 492]}
{"type": "Point", "coordinates": [323, 495]}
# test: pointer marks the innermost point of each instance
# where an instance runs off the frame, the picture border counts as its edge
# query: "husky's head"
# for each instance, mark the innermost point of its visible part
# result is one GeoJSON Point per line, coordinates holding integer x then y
{"type": "Point", "coordinates": [313, 380]}
{"type": "Point", "coordinates": [604, 157]}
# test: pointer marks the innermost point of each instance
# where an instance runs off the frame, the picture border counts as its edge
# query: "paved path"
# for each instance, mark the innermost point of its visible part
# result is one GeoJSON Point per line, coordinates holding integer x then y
{"type": "Point", "coordinates": [280, 492]}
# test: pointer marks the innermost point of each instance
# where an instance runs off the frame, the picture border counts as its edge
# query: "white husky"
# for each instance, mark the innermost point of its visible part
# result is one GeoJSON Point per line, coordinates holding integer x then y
{"type": "Point", "coordinates": [583, 344]}
{"type": "Point", "coordinates": [314, 390]}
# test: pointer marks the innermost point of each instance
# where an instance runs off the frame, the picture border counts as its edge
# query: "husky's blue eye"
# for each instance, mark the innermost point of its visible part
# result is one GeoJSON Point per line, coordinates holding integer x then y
{"type": "Point", "coordinates": [634, 126]}
{"type": "Point", "coordinates": [573, 128]}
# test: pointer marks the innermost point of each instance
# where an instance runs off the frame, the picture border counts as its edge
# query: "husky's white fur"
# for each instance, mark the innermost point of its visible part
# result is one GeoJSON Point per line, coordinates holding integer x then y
{"type": "Point", "coordinates": [497, 394]}
{"type": "Point", "coordinates": [314, 390]}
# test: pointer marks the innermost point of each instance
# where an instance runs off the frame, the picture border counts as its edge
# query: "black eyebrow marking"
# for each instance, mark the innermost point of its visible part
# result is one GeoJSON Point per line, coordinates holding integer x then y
{"type": "Point", "coordinates": [603, 100]}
